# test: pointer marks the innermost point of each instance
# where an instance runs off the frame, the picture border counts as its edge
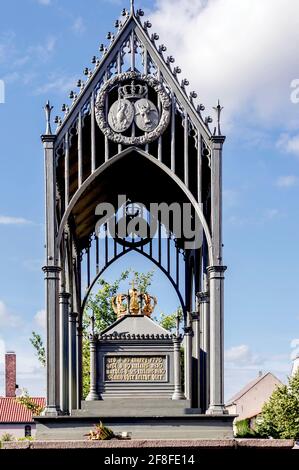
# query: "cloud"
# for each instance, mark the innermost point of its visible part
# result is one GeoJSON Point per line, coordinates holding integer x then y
{"type": "Point", "coordinates": [240, 51]}
{"type": "Point", "coordinates": [40, 319]}
{"type": "Point", "coordinates": [242, 356]}
{"type": "Point", "coordinates": [272, 213]}
{"type": "Point", "coordinates": [287, 181]}
{"type": "Point", "coordinates": [295, 346]}
{"type": "Point", "coordinates": [8, 220]}
{"type": "Point", "coordinates": [8, 319]}
{"type": "Point", "coordinates": [288, 143]}
{"type": "Point", "coordinates": [44, 2]}
{"type": "Point", "coordinates": [57, 84]}
{"type": "Point", "coordinates": [2, 351]}
{"type": "Point", "coordinates": [78, 25]}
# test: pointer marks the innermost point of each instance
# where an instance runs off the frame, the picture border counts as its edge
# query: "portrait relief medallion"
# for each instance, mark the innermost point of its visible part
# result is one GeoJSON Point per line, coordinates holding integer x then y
{"type": "Point", "coordinates": [121, 115]}
{"type": "Point", "coordinates": [133, 110]}
{"type": "Point", "coordinates": [146, 115]}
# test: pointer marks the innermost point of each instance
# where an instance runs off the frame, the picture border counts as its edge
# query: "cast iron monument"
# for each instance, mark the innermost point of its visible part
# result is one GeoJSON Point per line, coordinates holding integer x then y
{"type": "Point", "coordinates": [133, 136]}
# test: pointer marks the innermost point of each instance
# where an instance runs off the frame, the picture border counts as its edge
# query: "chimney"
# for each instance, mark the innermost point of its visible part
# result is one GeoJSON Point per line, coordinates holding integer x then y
{"type": "Point", "coordinates": [10, 374]}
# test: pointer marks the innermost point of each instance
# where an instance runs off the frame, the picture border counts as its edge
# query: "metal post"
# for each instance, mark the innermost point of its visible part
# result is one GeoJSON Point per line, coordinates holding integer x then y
{"type": "Point", "coordinates": [216, 405]}
{"type": "Point", "coordinates": [64, 351]}
{"type": "Point", "coordinates": [51, 270]}
{"type": "Point", "coordinates": [196, 372]}
{"type": "Point", "coordinates": [72, 361]}
{"type": "Point", "coordinates": [177, 394]}
{"type": "Point", "coordinates": [79, 365]}
{"type": "Point", "coordinates": [203, 300]}
{"type": "Point", "coordinates": [93, 394]}
{"type": "Point", "coordinates": [188, 358]}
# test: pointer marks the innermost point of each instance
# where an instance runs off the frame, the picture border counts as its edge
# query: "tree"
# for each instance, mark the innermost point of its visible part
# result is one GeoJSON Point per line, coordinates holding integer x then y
{"type": "Point", "coordinates": [169, 321]}
{"type": "Point", "coordinates": [280, 415]}
{"type": "Point", "coordinates": [39, 347]}
{"type": "Point", "coordinates": [29, 403]}
{"type": "Point", "coordinates": [99, 306]}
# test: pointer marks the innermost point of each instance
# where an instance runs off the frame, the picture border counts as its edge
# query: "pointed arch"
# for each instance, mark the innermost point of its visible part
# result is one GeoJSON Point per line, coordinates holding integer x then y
{"type": "Point", "coordinates": [79, 193]}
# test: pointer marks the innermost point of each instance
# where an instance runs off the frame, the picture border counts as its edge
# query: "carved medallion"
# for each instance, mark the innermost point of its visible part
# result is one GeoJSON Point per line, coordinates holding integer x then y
{"type": "Point", "coordinates": [121, 115]}
{"type": "Point", "coordinates": [133, 108]}
{"type": "Point", "coordinates": [146, 115]}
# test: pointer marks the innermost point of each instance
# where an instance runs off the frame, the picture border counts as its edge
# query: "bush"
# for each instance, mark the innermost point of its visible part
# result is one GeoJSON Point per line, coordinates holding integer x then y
{"type": "Point", "coordinates": [244, 429]}
{"type": "Point", "coordinates": [280, 415]}
{"type": "Point", "coordinates": [6, 437]}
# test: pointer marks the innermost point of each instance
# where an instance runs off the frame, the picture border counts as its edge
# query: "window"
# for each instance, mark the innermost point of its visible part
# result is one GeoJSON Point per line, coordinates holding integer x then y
{"type": "Point", "coordinates": [27, 430]}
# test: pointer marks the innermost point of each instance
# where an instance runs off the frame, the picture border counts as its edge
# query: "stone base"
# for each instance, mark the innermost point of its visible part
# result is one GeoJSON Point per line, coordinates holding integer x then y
{"type": "Point", "coordinates": [188, 426]}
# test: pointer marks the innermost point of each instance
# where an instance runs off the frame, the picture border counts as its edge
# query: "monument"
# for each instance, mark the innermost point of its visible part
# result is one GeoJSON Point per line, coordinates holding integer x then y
{"type": "Point", "coordinates": [133, 161]}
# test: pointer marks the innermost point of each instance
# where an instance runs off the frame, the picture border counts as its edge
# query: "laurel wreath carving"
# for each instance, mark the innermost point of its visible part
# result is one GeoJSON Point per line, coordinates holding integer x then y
{"type": "Point", "coordinates": [100, 112]}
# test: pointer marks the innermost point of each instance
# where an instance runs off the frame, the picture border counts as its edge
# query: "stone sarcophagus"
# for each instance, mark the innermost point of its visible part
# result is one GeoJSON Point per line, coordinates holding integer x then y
{"type": "Point", "coordinates": [135, 356]}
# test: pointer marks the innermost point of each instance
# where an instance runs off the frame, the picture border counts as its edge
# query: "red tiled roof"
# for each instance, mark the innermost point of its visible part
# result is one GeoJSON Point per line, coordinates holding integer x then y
{"type": "Point", "coordinates": [13, 412]}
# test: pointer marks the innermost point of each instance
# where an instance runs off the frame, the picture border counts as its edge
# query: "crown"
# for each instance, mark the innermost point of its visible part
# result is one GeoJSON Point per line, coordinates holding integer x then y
{"type": "Point", "coordinates": [132, 91]}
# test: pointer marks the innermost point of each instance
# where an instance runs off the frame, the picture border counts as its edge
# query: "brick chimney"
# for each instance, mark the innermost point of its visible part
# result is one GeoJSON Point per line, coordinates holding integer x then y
{"type": "Point", "coordinates": [10, 374]}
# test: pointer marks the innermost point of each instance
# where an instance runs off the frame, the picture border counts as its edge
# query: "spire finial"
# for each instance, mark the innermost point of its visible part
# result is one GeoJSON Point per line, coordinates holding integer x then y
{"type": "Point", "coordinates": [48, 110]}
{"type": "Point", "coordinates": [218, 110]}
{"type": "Point", "coordinates": [132, 7]}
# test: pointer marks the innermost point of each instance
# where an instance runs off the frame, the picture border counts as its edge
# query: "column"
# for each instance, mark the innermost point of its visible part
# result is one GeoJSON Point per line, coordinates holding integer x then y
{"type": "Point", "coordinates": [79, 364]}
{"type": "Point", "coordinates": [216, 405]}
{"type": "Point", "coordinates": [188, 358]}
{"type": "Point", "coordinates": [93, 394]}
{"type": "Point", "coordinates": [51, 270]}
{"type": "Point", "coordinates": [196, 367]}
{"type": "Point", "coordinates": [52, 308]}
{"type": "Point", "coordinates": [72, 361]}
{"type": "Point", "coordinates": [203, 300]}
{"type": "Point", "coordinates": [177, 394]}
{"type": "Point", "coordinates": [64, 351]}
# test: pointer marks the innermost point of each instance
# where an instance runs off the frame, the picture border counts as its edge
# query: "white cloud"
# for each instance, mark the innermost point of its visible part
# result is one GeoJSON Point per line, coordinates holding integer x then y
{"type": "Point", "coordinates": [2, 351]}
{"type": "Point", "coordinates": [287, 181]}
{"type": "Point", "coordinates": [44, 2]}
{"type": "Point", "coordinates": [288, 143]}
{"type": "Point", "coordinates": [8, 319]}
{"type": "Point", "coordinates": [57, 84]}
{"type": "Point", "coordinates": [8, 220]}
{"type": "Point", "coordinates": [272, 213]}
{"type": "Point", "coordinates": [40, 319]}
{"type": "Point", "coordinates": [78, 25]}
{"type": "Point", "coordinates": [242, 355]}
{"type": "Point", "coordinates": [240, 51]}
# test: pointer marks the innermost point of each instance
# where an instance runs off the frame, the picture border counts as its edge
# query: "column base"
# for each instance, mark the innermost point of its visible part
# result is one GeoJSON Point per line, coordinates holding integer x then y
{"type": "Point", "coordinates": [52, 411]}
{"type": "Point", "coordinates": [93, 396]}
{"type": "Point", "coordinates": [178, 396]}
{"type": "Point", "coordinates": [217, 410]}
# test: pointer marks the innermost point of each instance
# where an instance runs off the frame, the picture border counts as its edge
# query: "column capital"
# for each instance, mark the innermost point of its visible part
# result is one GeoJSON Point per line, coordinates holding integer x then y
{"type": "Point", "coordinates": [73, 316]}
{"type": "Point", "coordinates": [46, 138]}
{"type": "Point", "coordinates": [216, 269]}
{"type": "Point", "coordinates": [217, 141]}
{"type": "Point", "coordinates": [64, 295]}
{"type": "Point", "coordinates": [203, 296]}
{"type": "Point", "coordinates": [51, 269]}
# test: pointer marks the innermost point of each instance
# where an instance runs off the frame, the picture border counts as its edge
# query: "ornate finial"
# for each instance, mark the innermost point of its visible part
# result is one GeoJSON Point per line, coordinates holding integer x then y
{"type": "Point", "coordinates": [132, 12]}
{"type": "Point", "coordinates": [48, 110]}
{"type": "Point", "coordinates": [218, 110]}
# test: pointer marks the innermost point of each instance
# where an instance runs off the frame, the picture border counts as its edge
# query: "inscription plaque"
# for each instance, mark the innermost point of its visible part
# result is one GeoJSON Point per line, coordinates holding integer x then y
{"type": "Point", "coordinates": [135, 368]}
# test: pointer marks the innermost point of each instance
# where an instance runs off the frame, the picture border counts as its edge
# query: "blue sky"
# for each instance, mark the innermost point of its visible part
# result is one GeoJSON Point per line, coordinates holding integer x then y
{"type": "Point", "coordinates": [244, 56]}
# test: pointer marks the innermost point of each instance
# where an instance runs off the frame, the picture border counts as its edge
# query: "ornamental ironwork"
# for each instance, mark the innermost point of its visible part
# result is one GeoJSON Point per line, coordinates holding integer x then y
{"type": "Point", "coordinates": [133, 108]}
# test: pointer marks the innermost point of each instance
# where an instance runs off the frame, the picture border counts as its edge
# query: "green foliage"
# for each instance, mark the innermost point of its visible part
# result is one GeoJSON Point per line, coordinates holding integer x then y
{"type": "Point", "coordinates": [100, 433]}
{"type": "Point", "coordinates": [169, 321]}
{"type": "Point", "coordinates": [39, 347]}
{"type": "Point", "coordinates": [26, 438]}
{"type": "Point", "coordinates": [280, 415]}
{"type": "Point", "coordinates": [29, 403]}
{"type": "Point", "coordinates": [99, 306]}
{"type": "Point", "coordinates": [6, 437]}
{"type": "Point", "coordinates": [244, 429]}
